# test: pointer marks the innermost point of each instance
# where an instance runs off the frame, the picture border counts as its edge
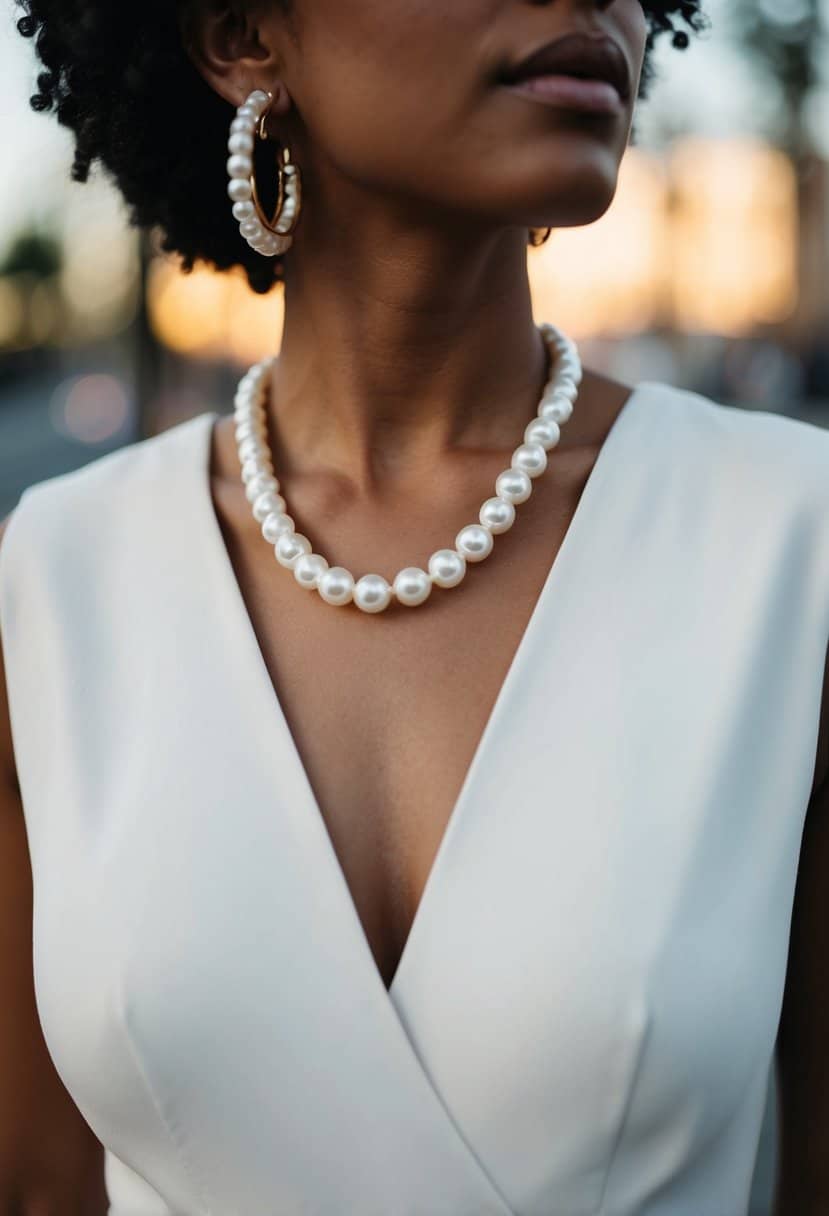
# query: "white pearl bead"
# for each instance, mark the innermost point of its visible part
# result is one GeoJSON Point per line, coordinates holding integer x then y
{"type": "Point", "coordinates": [261, 485]}
{"type": "Point", "coordinates": [412, 586]}
{"type": "Point", "coordinates": [244, 211]}
{"type": "Point", "coordinates": [568, 365]}
{"type": "Point", "coordinates": [239, 166]}
{"type": "Point", "coordinates": [251, 449]}
{"type": "Point", "coordinates": [251, 469]}
{"type": "Point", "coordinates": [308, 568]}
{"type": "Point", "coordinates": [372, 593]}
{"type": "Point", "coordinates": [247, 430]}
{"type": "Point", "coordinates": [243, 126]}
{"type": "Point", "coordinates": [267, 504]}
{"type": "Point", "coordinates": [555, 409]}
{"type": "Point", "coordinates": [290, 547]}
{"type": "Point", "coordinates": [543, 431]}
{"type": "Point", "coordinates": [447, 567]}
{"type": "Point", "coordinates": [336, 586]}
{"type": "Point", "coordinates": [514, 485]}
{"type": "Point", "coordinates": [240, 143]}
{"type": "Point", "coordinates": [247, 111]}
{"type": "Point", "coordinates": [239, 190]}
{"type": "Point", "coordinates": [530, 457]}
{"type": "Point", "coordinates": [497, 514]}
{"type": "Point", "coordinates": [257, 98]}
{"type": "Point", "coordinates": [474, 542]}
{"type": "Point", "coordinates": [565, 386]}
{"type": "Point", "coordinates": [276, 525]}
{"type": "Point", "coordinates": [248, 406]}
{"type": "Point", "coordinates": [251, 229]}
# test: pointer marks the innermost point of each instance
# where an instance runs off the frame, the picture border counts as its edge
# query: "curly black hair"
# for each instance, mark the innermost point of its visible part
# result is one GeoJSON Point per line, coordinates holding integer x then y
{"type": "Point", "coordinates": [114, 73]}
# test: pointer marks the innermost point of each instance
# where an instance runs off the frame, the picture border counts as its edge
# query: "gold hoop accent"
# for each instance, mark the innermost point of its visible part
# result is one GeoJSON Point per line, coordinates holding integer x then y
{"type": "Point", "coordinates": [285, 169]}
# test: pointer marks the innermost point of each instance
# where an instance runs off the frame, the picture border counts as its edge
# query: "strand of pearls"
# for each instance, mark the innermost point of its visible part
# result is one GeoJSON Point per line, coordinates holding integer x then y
{"type": "Point", "coordinates": [446, 567]}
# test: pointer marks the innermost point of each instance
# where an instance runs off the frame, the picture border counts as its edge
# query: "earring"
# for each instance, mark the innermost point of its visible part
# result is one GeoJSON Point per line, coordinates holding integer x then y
{"type": "Point", "coordinates": [273, 236]}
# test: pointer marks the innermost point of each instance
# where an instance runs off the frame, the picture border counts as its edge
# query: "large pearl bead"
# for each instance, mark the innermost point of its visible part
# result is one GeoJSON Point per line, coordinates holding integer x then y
{"type": "Point", "coordinates": [372, 593]}
{"type": "Point", "coordinates": [555, 408]}
{"type": "Point", "coordinates": [412, 586]}
{"type": "Point", "coordinates": [497, 514]}
{"type": "Point", "coordinates": [514, 485]}
{"type": "Point", "coordinates": [289, 547]}
{"type": "Point", "coordinates": [571, 370]}
{"type": "Point", "coordinates": [267, 504]}
{"type": "Point", "coordinates": [262, 484]}
{"type": "Point", "coordinates": [252, 449]}
{"type": "Point", "coordinates": [276, 525]}
{"type": "Point", "coordinates": [474, 542]}
{"type": "Point", "coordinates": [447, 567]}
{"type": "Point", "coordinates": [239, 165]}
{"type": "Point", "coordinates": [239, 190]}
{"type": "Point", "coordinates": [544, 431]}
{"type": "Point", "coordinates": [246, 429]}
{"type": "Point", "coordinates": [308, 568]}
{"type": "Point", "coordinates": [566, 386]}
{"type": "Point", "coordinates": [244, 211]}
{"type": "Point", "coordinates": [252, 468]}
{"type": "Point", "coordinates": [240, 143]}
{"type": "Point", "coordinates": [336, 585]}
{"type": "Point", "coordinates": [530, 457]}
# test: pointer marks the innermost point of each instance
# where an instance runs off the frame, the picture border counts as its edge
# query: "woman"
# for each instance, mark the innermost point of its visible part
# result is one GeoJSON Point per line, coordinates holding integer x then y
{"type": "Point", "coordinates": [465, 892]}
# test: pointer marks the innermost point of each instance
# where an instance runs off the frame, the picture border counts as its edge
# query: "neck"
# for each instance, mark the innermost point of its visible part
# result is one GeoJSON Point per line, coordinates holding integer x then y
{"type": "Point", "coordinates": [396, 352]}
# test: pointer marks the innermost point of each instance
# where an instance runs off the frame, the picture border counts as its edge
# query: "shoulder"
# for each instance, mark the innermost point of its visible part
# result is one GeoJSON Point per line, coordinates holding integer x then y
{"type": "Point", "coordinates": [7, 762]}
{"type": "Point", "coordinates": [150, 462]}
{"type": "Point", "coordinates": [768, 459]}
{"type": "Point", "coordinates": [759, 433]}
{"type": "Point", "coordinates": [142, 459]}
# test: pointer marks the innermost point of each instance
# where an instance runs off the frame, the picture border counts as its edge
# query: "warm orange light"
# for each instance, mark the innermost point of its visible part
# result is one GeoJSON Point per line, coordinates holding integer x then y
{"type": "Point", "coordinates": [605, 277]}
{"type": "Point", "coordinates": [734, 235]}
{"type": "Point", "coordinates": [213, 315]}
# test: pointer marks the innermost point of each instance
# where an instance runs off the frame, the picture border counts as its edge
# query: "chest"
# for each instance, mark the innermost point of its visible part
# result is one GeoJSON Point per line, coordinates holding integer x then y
{"type": "Point", "coordinates": [385, 714]}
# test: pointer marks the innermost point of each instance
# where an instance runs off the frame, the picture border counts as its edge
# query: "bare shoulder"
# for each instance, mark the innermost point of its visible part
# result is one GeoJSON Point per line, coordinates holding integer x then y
{"type": "Point", "coordinates": [8, 774]}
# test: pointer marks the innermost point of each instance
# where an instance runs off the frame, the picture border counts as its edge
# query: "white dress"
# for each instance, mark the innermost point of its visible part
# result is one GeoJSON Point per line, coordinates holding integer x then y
{"type": "Point", "coordinates": [584, 1016]}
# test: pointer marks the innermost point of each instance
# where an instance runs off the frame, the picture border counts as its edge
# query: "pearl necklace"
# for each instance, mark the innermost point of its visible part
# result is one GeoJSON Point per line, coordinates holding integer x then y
{"type": "Point", "coordinates": [446, 567]}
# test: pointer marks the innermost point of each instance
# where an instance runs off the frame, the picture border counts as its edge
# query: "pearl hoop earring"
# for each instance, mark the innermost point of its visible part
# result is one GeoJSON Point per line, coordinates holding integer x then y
{"type": "Point", "coordinates": [268, 236]}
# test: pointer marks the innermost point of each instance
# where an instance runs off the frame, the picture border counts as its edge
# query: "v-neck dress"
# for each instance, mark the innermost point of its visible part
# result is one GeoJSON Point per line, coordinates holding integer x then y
{"type": "Point", "coordinates": [584, 1017]}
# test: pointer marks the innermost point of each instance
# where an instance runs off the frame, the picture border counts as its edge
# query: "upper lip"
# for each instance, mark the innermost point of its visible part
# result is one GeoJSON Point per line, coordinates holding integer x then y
{"type": "Point", "coordinates": [577, 54]}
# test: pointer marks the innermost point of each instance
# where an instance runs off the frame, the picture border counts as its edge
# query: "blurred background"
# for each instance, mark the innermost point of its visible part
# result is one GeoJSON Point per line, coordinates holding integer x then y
{"type": "Point", "coordinates": [709, 271]}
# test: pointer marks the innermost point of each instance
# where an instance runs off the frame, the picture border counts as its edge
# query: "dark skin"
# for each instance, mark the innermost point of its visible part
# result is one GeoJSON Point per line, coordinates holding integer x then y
{"type": "Point", "coordinates": [409, 367]}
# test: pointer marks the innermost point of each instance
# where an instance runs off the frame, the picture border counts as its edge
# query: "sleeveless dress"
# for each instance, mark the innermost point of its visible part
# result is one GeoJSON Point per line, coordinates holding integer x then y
{"type": "Point", "coordinates": [584, 1017]}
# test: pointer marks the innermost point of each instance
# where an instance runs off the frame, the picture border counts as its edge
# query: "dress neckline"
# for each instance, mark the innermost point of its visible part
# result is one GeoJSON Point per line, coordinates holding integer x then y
{"type": "Point", "coordinates": [242, 638]}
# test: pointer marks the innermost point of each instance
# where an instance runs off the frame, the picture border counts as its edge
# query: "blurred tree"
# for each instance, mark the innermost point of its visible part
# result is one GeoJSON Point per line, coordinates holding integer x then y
{"type": "Point", "coordinates": [787, 38]}
{"type": "Point", "coordinates": [33, 253]}
{"type": "Point", "coordinates": [789, 41]}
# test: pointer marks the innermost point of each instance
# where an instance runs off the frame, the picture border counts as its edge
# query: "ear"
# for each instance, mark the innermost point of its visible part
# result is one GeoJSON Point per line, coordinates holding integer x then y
{"type": "Point", "coordinates": [233, 45]}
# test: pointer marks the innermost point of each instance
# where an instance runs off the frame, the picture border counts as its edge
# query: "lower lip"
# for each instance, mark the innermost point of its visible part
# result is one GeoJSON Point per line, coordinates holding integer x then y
{"type": "Point", "coordinates": [571, 93]}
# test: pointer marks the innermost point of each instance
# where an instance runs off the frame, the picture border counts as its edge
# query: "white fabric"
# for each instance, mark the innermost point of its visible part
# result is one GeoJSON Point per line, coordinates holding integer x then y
{"type": "Point", "coordinates": [585, 1013]}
